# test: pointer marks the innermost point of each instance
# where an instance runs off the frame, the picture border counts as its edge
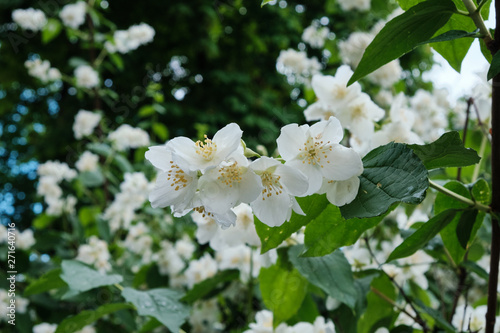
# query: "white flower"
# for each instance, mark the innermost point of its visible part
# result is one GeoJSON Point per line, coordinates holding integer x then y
{"type": "Point", "coordinates": [361, 5]}
{"type": "Point", "coordinates": [174, 186]}
{"type": "Point", "coordinates": [316, 151]}
{"type": "Point", "coordinates": [85, 122]}
{"type": "Point", "coordinates": [168, 260]}
{"type": "Point", "coordinates": [130, 39]}
{"type": "Point", "coordinates": [200, 270]}
{"type": "Point", "coordinates": [42, 70]}
{"type": "Point", "coordinates": [209, 153]}
{"type": "Point", "coordinates": [73, 15]}
{"type": "Point", "coordinates": [87, 329]}
{"type": "Point", "coordinates": [86, 77]}
{"type": "Point", "coordinates": [205, 317]}
{"type": "Point", "coordinates": [126, 136]}
{"type": "Point", "coordinates": [359, 116]}
{"type": "Point", "coordinates": [240, 257]}
{"type": "Point", "coordinates": [340, 192]}
{"type": "Point", "coordinates": [228, 185]}
{"type": "Point", "coordinates": [30, 18]}
{"type": "Point", "coordinates": [297, 66]}
{"type": "Point", "coordinates": [25, 239]}
{"type": "Point", "coordinates": [281, 184]}
{"type": "Point", "coordinates": [315, 36]}
{"type": "Point", "coordinates": [351, 50]}
{"type": "Point", "coordinates": [185, 248]}
{"type": "Point", "coordinates": [95, 253]}
{"type": "Point", "coordinates": [57, 170]}
{"type": "Point", "coordinates": [44, 328]}
{"type": "Point", "coordinates": [387, 75]}
{"type": "Point", "coordinates": [87, 162]}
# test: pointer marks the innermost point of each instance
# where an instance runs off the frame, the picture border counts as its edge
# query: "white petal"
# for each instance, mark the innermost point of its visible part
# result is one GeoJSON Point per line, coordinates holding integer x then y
{"type": "Point", "coordinates": [228, 140]}
{"type": "Point", "coordinates": [330, 130]}
{"type": "Point", "coordinates": [263, 163]}
{"type": "Point", "coordinates": [291, 139]}
{"type": "Point", "coordinates": [250, 187]}
{"type": "Point", "coordinates": [184, 153]}
{"type": "Point", "coordinates": [293, 180]}
{"type": "Point", "coordinates": [343, 192]}
{"type": "Point", "coordinates": [164, 194]}
{"type": "Point", "coordinates": [160, 157]}
{"type": "Point", "coordinates": [319, 111]}
{"type": "Point", "coordinates": [344, 163]}
{"type": "Point", "coordinates": [296, 207]}
{"type": "Point", "coordinates": [312, 172]}
{"type": "Point", "coordinates": [273, 210]}
{"type": "Point", "coordinates": [363, 128]}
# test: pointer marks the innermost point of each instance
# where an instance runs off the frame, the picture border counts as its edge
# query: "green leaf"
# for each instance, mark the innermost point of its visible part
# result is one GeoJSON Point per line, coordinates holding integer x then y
{"type": "Point", "coordinates": [271, 237]}
{"type": "Point", "coordinates": [484, 50]}
{"type": "Point", "coordinates": [332, 273]}
{"type": "Point", "coordinates": [80, 277]}
{"type": "Point", "coordinates": [481, 192]}
{"type": "Point", "coordinates": [100, 148]}
{"type": "Point", "coordinates": [88, 215]}
{"type": "Point", "coordinates": [447, 151]}
{"type": "Point", "coordinates": [51, 30]}
{"type": "Point", "coordinates": [43, 220]}
{"type": "Point", "coordinates": [403, 33]}
{"type": "Point", "coordinates": [450, 35]}
{"type": "Point", "coordinates": [449, 233]}
{"type": "Point", "coordinates": [407, 4]}
{"type": "Point", "coordinates": [162, 304]}
{"type": "Point", "coordinates": [117, 60]}
{"type": "Point", "coordinates": [206, 287]}
{"type": "Point", "coordinates": [465, 226]}
{"type": "Point", "coordinates": [330, 231]}
{"type": "Point", "coordinates": [87, 317]}
{"type": "Point", "coordinates": [475, 268]}
{"type": "Point", "coordinates": [392, 173]}
{"type": "Point", "coordinates": [494, 67]}
{"type": "Point", "coordinates": [146, 111]}
{"type": "Point", "coordinates": [160, 130]}
{"type": "Point", "coordinates": [436, 315]}
{"type": "Point", "coordinates": [264, 2]}
{"type": "Point", "coordinates": [377, 309]}
{"type": "Point", "coordinates": [48, 281]}
{"type": "Point", "coordinates": [282, 291]}
{"type": "Point", "coordinates": [455, 50]}
{"type": "Point", "coordinates": [123, 163]}
{"type": "Point", "coordinates": [91, 178]}
{"type": "Point", "coordinates": [423, 235]}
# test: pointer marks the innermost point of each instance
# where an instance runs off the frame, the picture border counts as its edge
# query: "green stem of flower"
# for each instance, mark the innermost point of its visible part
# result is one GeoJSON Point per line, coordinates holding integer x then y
{"type": "Point", "coordinates": [460, 198]}
{"type": "Point", "coordinates": [119, 286]}
{"type": "Point", "coordinates": [100, 58]}
{"type": "Point", "coordinates": [475, 15]}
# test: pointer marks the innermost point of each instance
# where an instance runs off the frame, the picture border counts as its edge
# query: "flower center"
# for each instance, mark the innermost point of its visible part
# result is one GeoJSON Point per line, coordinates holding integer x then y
{"type": "Point", "coordinates": [203, 212]}
{"type": "Point", "coordinates": [230, 174]}
{"type": "Point", "coordinates": [271, 184]}
{"type": "Point", "coordinates": [206, 149]}
{"type": "Point", "coordinates": [339, 92]}
{"type": "Point", "coordinates": [314, 151]}
{"type": "Point", "coordinates": [176, 176]}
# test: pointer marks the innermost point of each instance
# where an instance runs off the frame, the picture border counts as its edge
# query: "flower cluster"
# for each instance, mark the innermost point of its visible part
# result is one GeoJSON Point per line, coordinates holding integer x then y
{"type": "Point", "coordinates": [126, 136]}
{"type": "Point", "coordinates": [264, 323]}
{"type": "Point", "coordinates": [30, 18]}
{"type": "Point", "coordinates": [297, 66]}
{"type": "Point", "coordinates": [96, 254]}
{"type": "Point", "coordinates": [128, 40]}
{"type": "Point", "coordinates": [361, 5]}
{"type": "Point", "coordinates": [73, 15]}
{"type": "Point", "coordinates": [85, 123]}
{"type": "Point", "coordinates": [52, 173]}
{"type": "Point", "coordinates": [42, 70]}
{"type": "Point", "coordinates": [214, 176]}
{"type": "Point", "coordinates": [315, 35]}
{"type": "Point", "coordinates": [86, 77]}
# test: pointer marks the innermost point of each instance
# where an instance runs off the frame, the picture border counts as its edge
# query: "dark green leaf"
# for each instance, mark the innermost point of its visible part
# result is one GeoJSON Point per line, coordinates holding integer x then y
{"type": "Point", "coordinates": [46, 282]}
{"type": "Point", "coordinates": [451, 35]}
{"type": "Point", "coordinates": [123, 163]}
{"type": "Point", "coordinates": [203, 288]}
{"type": "Point", "coordinates": [117, 60]}
{"type": "Point", "coordinates": [444, 202]}
{"type": "Point", "coordinates": [282, 291]}
{"type": "Point", "coordinates": [80, 277]}
{"type": "Point", "coordinates": [377, 309]}
{"type": "Point", "coordinates": [475, 268]}
{"type": "Point", "coordinates": [146, 111]}
{"type": "Point", "coordinates": [332, 273]}
{"type": "Point", "coordinates": [392, 173]}
{"type": "Point", "coordinates": [51, 30]}
{"type": "Point", "coordinates": [43, 220]}
{"type": "Point", "coordinates": [330, 231]}
{"type": "Point", "coordinates": [271, 237]}
{"type": "Point", "coordinates": [494, 67]}
{"type": "Point", "coordinates": [87, 317]}
{"type": "Point", "coordinates": [162, 304]}
{"type": "Point", "coordinates": [100, 148]}
{"type": "Point", "coordinates": [264, 2]}
{"type": "Point", "coordinates": [423, 235]}
{"type": "Point", "coordinates": [447, 151]}
{"type": "Point", "coordinates": [91, 178]}
{"type": "Point", "coordinates": [403, 33]}
{"type": "Point", "coordinates": [484, 50]}
{"type": "Point", "coordinates": [465, 226]}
